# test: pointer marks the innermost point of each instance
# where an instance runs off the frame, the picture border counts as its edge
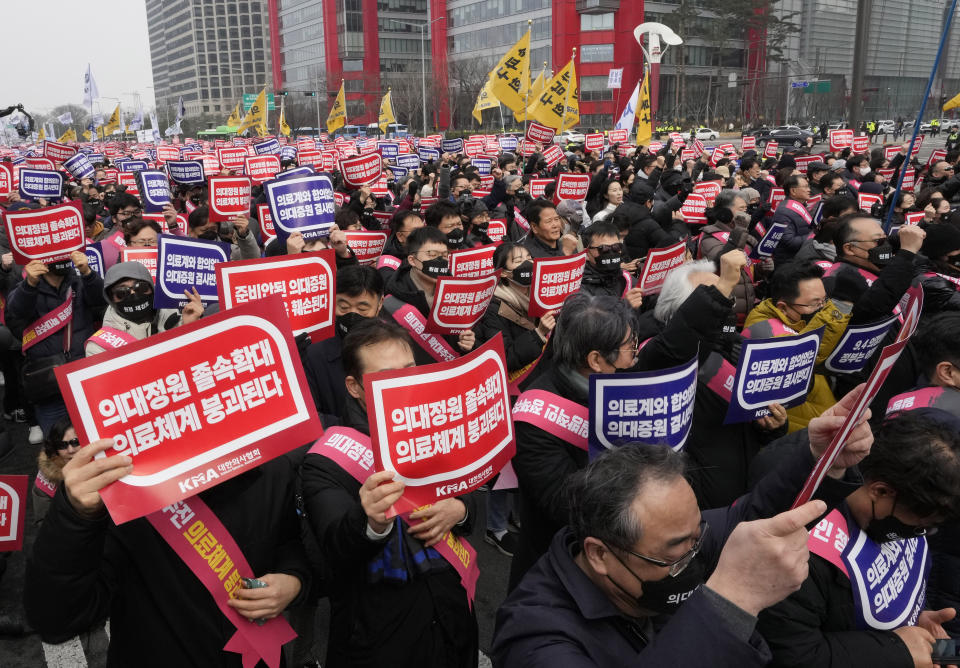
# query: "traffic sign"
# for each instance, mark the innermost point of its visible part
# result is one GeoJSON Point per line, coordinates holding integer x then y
{"type": "Point", "coordinates": [799, 84]}
{"type": "Point", "coordinates": [250, 98]}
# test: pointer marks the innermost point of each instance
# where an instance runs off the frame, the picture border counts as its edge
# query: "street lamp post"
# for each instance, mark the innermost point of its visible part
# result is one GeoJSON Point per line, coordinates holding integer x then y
{"type": "Point", "coordinates": [422, 27]}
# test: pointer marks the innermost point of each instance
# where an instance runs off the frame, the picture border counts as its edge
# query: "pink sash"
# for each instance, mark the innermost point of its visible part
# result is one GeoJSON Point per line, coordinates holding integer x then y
{"type": "Point", "coordinates": [565, 419]}
{"type": "Point", "coordinates": [350, 450]}
{"type": "Point", "coordinates": [388, 261]}
{"type": "Point", "coordinates": [520, 220]}
{"type": "Point", "coordinates": [800, 210]}
{"type": "Point", "coordinates": [828, 539]}
{"type": "Point", "coordinates": [411, 320]}
{"type": "Point", "coordinates": [199, 538]}
{"type": "Point", "coordinates": [109, 338]}
{"type": "Point", "coordinates": [49, 324]}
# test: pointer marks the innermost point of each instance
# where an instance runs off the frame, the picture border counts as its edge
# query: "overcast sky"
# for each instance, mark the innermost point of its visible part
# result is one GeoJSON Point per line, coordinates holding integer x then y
{"type": "Point", "coordinates": [46, 56]}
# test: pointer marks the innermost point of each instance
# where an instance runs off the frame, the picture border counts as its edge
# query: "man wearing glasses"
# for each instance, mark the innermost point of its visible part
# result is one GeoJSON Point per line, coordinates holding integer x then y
{"type": "Point", "coordinates": [642, 577]}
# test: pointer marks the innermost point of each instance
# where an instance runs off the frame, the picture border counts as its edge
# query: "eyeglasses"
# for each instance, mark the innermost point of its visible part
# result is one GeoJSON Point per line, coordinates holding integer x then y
{"type": "Point", "coordinates": [143, 242]}
{"type": "Point", "coordinates": [607, 248]}
{"type": "Point", "coordinates": [433, 255]}
{"type": "Point", "coordinates": [632, 347]}
{"type": "Point", "coordinates": [677, 567]}
{"type": "Point", "coordinates": [819, 304]}
{"type": "Point", "coordinates": [72, 443]}
{"type": "Point", "coordinates": [128, 212]}
{"type": "Point", "coordinates": [875, 242]}
{"type": "Point", "coordinates": [141, 289]}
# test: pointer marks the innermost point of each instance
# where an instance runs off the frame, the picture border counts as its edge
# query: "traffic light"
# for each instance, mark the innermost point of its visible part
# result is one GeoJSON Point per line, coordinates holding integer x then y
{"type": "Point", "coordinates": [309, 93]}
{"type": "Point", "coordinates": [281, 92]}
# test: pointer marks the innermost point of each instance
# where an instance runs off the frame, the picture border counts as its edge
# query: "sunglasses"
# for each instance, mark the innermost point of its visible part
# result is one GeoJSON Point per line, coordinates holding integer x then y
{"type": "Point", "coordinates": [72, 443]}
{"type": "Point", "coordinates": [608, 248]}
{"type": "Point", "coordinates": [140, 289]}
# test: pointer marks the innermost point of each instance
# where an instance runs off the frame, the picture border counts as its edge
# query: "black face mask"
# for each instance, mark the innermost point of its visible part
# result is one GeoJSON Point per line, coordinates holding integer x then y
{"type": "Point", "coordinates": [609, 263]}
{"type": "Point", "coordinates": [350, 321]}
{"type": "Point", "coordinates": [523, 273]}
{"type": "Point", "coordinates": [888, 529]}
{"type": "Point", "coordinates": [807, 317]}
{"type": "Point", "coordinates": [436, 267]}
{"type": "Point", "coordinates": [455, 237]}
{"type": "Point", "coordinates": [664, 597]}
{"type": "Point", "coordinates": [209, 235]}
{"type": "Point", "coordinates": [136, 308]}
{"type": "Point", "coordinates": [62, 268]}
{"type": "Point", "coordinates": [881, 255]}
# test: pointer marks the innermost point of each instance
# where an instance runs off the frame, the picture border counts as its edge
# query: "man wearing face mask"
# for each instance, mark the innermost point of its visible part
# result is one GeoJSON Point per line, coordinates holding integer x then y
{"type": "Point", "coordinates": [602, 274]}
{"type": "Point", "coordinates": [940, 262]}
{"type": "Point", "coordinates": [236, 232]}
{"type": "Point", "coordinates": [641, 577]}
{"type": "Point", "coordinates": [445, 217]}
{"type": "Point", "coordinates": [862, 603]}
{"type": "Point", "coordinates": [41, 299]}
{"type": "Point", "coordinates": [410, 294]}
{"type": "Point", "coordinates": [793, 213]}
{"type": "Point", "coordinates": [130, 315]}
{"type": "Point", "coordinates": [359, 299]}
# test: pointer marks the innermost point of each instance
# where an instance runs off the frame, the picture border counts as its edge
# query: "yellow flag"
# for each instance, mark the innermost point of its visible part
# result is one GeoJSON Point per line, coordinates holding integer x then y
{"type": "Point", "coordinates": [562, 91]}
{"type": "Point", "coordinates": [536, 90]}
{"type": "Point", "coordinates": [485, 100]}
{"type": "Point", "coordinates": [114, 123]}
{"type": "Point", "coordinates": [952, 103]}
{"type": "Point", "coordinates": [235, 117]}
{"type": "Point", "coordinates": [42, 134]}
{"type": "Point", "coordinates": [87, 135]}
{"type": "Point", "coordinates": [69, 135]}
{"type": "Point", "coordinates": [337, 117]}
{"type": "Point", "coordinates": [284, 128]}
{"type": "Point", "coordinates": [508, 80]}
{"type": "Point", "coordinates": [386, 112]}
{"type": "Point", "coordinates": [256, 117]}
{"type": "Point", "coordinates": [644, 119]}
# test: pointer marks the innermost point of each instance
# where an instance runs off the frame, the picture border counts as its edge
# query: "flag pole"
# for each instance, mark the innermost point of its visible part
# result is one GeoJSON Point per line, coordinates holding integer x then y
{"type": "Point", "coordinates": [526, 97]}
{"type": "Point", "coordinates": [566, 99]}
{"type": "Point", "coordinates": [503, 128]}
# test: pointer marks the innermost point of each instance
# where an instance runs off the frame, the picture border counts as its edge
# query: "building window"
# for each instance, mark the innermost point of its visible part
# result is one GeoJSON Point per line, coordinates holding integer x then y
{"type": "Point", "coordinates": [594, 89]}
{"type": "Point", "coordinates": [596, 53]}
{"type": "Point", "coordinates": [353, 66]}
{"type": "Point", "coordinates": [589, 22]}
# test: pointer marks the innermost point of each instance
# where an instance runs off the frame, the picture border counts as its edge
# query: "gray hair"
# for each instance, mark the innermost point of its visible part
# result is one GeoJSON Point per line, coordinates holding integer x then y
{"type": "Point", "coordinates": [678, 287]}
{"type": "Point", "coordinates": [588, 323]}
{"type": "Point", "coordinates": [726, 196]}
{"type": "Point", "coordinates": [600, 497]}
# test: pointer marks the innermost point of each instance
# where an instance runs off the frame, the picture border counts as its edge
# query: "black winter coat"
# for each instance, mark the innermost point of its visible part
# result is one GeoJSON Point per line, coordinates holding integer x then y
{"type": "Point", "coordinates": [521, 345]}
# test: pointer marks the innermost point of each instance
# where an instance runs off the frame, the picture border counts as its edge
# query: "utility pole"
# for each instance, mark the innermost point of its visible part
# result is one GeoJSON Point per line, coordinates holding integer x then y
{"type": "Point", "coordinates": [860, 42]}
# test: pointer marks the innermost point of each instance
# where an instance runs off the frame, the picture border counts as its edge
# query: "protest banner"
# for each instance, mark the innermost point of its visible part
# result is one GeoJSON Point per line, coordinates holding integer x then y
{"type": "Point", "coordinates": [482, 165]}
{"type": "Point", "coordinates": [267, 230]}
{"type": "Point", "coordinates": [428, 154]}
{"type": "Point", "coordinates": [777, 195]}
{"type": "Point", "coordinates": [296, 172]}
{"type": "Point", "coordinates": [890, 152]}
{"type": "Point", "coordinates": [112, 244]}
{"type": "Point", "coordinates": [936, 155]}
{"type": "Point", "coordinates": [57, 152]}
{"type": "Point", "coordinates": [539, 133]}
{"type": "Point", "coordinates": [472, 262]}
{"type": "Point", "coordinates": [649, 406]}
{"type": "Point", "coordinates": [571, 187]}
{"type": "Point", "coordinates": [366, 245]}
{"type": "Point", "coordinates": [231, 157]}
{"type": "Point", "coordinates": [496, 229]}
{"type": "Point", "coordinates": [861, 144]}
{"type": "Point", "coordinates": [186, 172]}
{"type": "Point", "coordinates": [79, 167]}
{"type": "Point", "coordinates": [444, 428]}
{"type": "Point", "coordinates": [41, 184]}
{"type": "Point", "coordinates": [473, 147]}
{"type": "Point", "coordinates": [167, 153]}
{"type": "Point", "coordinates": [538, 186]}
{"type": "Point", "coordinates": [388, 149]}
{"type": "Point", "coordinates": [129, 181]}
{"type": "Point", "coordinates": [303, 204]}
{"type": "Point", "coordinates": [770, 240]}
{"type": "Point", "coordinates": [778, 370]}
{"type": "Point", "coordinates": [553, 154]}
{"type": "Point", "coordinates": [183, 264]}
{"type": "Point", "coordinates": [748, 143]}
{"type": "Point", "coordinates": [770, 150]}
{"type": "Point", "coordinates": [131, 165]}
{"type": "Point", "coordinates": [306, 282]}
{"type": "Point", "coordinates": [709, 190]}
{"type": "Point", "coordinates": [508, 143]}
{"type": "Point", "coordinates": [211, 166]}
{"type": "Point", "coordinates": [913, 218]}
{"type": "Point", "coordinates": [6, 179]}
{"type": "Point", "coordinates": [909, 179]}
{"type": "Point", "coordinates": [50, 234]}
{"type": "Point", "coordinates": [95, 261]}
{"type": "Point", "coordinates": [267, 147]}
{"type": "Point", "coordinates": [13, 509]}
{"type": "Point", "coordinates": [193, 406]}
{"type": "Point", "coordinates": [554, 279]}
{"type": "Point", "coordinates": [618, 136]}
{"type": "Point", "coordinates": [361, 170]}
{"type": "Point", "coordinates": [43, 164]}
{"type": "Point", "coordinates": [459, 303]}
{"type": "Point", "coordinates": [857, 346]}
{"type": "Point", "coordinates": [154, 190]}
{"type": "Point", "coordinates": [694, 209]}
{"type": "Point", "coordinates": [229, 197]}
{"type": "Point", "coordinates": [658, 264]}
{"type": "Point", "coordinates": [593, 141]}
{"type": "Point", "coordinates": [453, 146]}
{"type": "Point", "coordinates": [312, 158]}
{"type": "Point", "coordinates": [840, 139]}
{"type": "Point", "coordinates": [865, 201]}
{"type": "Point", "coordinates": [408, 161]}
{"type": "Point", "coordinates": [145, 256]}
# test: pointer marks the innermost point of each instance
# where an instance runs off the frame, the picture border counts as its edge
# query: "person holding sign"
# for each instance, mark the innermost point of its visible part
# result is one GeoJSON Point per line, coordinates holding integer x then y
{"type": "Point", "coordinates": [395, 599]}
{"type": "Point", "coordinates": [602, 273]}
{"type": "Point", "coordinates": [410, 296]}
{"type": "Point", "coordinates": [640, 576]}
{"type": "Point", "coordinates": [236, 232]}
{"type": "Point", "coordinates": [862, 603]}
{"type": "Point", "coordinates": [57, 310]}
{"type": "Point", "coordinates": [546, 228]}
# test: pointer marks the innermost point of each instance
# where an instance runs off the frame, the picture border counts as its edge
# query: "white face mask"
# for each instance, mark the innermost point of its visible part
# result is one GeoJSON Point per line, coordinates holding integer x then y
{"type": "Point", "coordinates": [864, 171]}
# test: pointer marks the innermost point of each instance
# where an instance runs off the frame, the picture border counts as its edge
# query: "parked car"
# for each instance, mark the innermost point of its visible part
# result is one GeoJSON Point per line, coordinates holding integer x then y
{"type": "Point", "coordinates": [787, 136]}
{"type": "Point", "coordinates": [569, 137]}
{"type": "Point", "coordinates": [886, 126]}
{"type": "Point", "coordinates": [707, 133]}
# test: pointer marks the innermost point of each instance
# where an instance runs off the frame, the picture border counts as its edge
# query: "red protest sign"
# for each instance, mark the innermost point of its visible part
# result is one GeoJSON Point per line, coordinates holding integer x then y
{"type": "Point", "coordinates": [49, 234]}
{"type": "Point", "coordinates": [473, 147]}
{"type": "Point", "coordinates": [777, 195]}
{"type": "Point", "coordinates": [709, 190]}
{"type": "Point", "coordinates": [554, 279]}
{"type": "Point", "coordinates": [211, 165]}
{"type": "Point", "coordinates": [861, 144]}
{"type": "Point", "coordinates": [261, 168]}
{"type": "Point", "coordinates": [542, 134]}
{"type": "Point", "coordinates": [840, 139]}
{"type": "Point", "coordinates": [658, 264]}
{"type": "Point", "coordinates": [193, 406]}
{"type": "Point", "coordinates": [366, 245]}
{"type": "Point", "coordinates": [617, 136]}
{"type": "Point", "coordinates": [39, 163]}
{"type": "Point", "coordinates": [909, 179]}
{"type": "Point", "coordinates": [694, 209]}
{"type": "Point", "coordinates": [936, 155]}
{"type": "Point", "coordinates": [571, 187]}
{"type": "Point", "coordinates": [306, 282]}
{"type": "Point", "coordinates": [552, 154]}
{"type": "Point", "coordinates": [497, 229]}
{"type": "Point", "coordinates": [361, 170]}
{"type": "Point", "coordinates": [538, 186]}
{"type": "Point", "coordinates": [770, 151]}
{"type": "Point", "coordinates": [145, 256]}
{"type": "Point", "coordinates": [166, 153]}
{"type": "Point", "coordinates": [6, 179]}
{"type": "Point", "coordinates": [890, 152]}
{"type": "Point", "coordinates": [58, 152]}
{"type": "Point", "coordinates": [13, 509]}
{"type": "Point", "coordinates": [472, 262]}
{"type": "Point", "coordinates": [459, 303]}
{"type": "Point", "coordinates": [865, 201]}
{"type": "Point", "coordinates": [232, 157]}
{"type": "Point", "coordinates": [266, 222]}
{"type": "Point", "coordinates": [747, 143]}
{"type": "Point", "coordinates": [128, 179]}
{"type": "Point", "coordinates": [229, 197]}
{"type": "Point", "coordinates": [914, 218]}
{"type": "Point", "coordinates": [593, 141]}
{"type": "Point", "coordinates": [310, 158]}
{"type": "Point", "coordinates": [445, 428]}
